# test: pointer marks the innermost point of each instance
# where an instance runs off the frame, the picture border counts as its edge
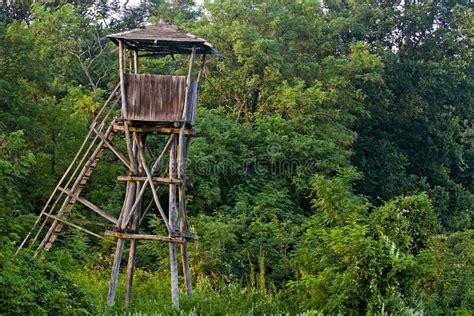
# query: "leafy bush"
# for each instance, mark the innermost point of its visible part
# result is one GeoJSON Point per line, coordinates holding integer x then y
{"type": "Point", "coordinates": [30, 286]}
{"type": "Point", "coordinates": [447, 285]}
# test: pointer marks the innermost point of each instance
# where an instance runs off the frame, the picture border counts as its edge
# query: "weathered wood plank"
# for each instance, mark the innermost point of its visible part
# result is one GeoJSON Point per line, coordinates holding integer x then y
{"type": "Point", "coordinates": [186, 270]}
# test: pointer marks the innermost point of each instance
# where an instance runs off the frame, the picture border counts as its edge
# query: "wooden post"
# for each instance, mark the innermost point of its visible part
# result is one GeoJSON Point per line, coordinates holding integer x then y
{"type": "Point", "coordinates": [134, 227]}
{"type": "Point", "coordinates": [201, 69]}
{"type": "Point", "coordinates": [172, 222]}
{"type": "Point", "coordinates": [123, 94]}
{"type": "Point", "coordinates": [129, 199]}
{"type": "Point", "coordinates": [122, 78]}
{"type": "Point", "coordinates": [115, 271]}
{"type": "Point", "coordinates": [183, 227]}
{"type": "Point", "coordinates": [182, 144]}
{"type": "Point", "coordinates": [128, 203]}
{"type": "Point", "coordinates": [135, 61]}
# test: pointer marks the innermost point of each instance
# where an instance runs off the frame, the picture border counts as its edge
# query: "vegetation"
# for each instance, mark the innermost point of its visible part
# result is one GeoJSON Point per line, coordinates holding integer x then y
{"type": "Point", "coordinates": [336, 175]}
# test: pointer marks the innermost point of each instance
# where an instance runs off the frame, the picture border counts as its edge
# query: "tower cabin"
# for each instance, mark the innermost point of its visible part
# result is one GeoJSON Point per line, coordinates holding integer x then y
{"type": "Point", "coordinates": [159, 99]}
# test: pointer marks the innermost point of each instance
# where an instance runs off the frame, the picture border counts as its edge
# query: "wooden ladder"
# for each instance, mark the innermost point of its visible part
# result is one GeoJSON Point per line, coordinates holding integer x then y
{"type": "Point", "coordinates": [75, 191]}
{"type": "Point", "coordinates": [78, 173]}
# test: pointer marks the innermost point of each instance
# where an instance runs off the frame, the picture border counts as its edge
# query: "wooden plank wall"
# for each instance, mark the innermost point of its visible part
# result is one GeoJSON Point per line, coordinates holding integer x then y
{"type": "Point", "coordinates": [155, 98]}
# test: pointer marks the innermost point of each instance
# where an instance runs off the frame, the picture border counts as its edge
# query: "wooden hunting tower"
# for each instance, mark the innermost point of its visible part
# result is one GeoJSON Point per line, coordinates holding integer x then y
{"type": "Point", "coordinates": [149, 104]}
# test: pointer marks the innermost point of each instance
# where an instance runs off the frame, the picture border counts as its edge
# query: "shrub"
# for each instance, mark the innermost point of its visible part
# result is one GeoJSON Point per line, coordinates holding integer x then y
{"type": "Point", "coordinates": [32, 286]}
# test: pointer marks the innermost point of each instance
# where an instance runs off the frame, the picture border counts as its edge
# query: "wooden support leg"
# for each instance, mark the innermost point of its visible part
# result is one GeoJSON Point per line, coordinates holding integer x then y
{"type": "Point", "coordinates": [174, 275]}
{"type": "Point", "coordinates": [182, 213]}
{"type": "Point", "coordinates": [132, 256]}
{"type": "Point", "coordinates": [134, 228]}
{"type": "Point", "coordinates": [115, 271]}
{"type": "Point", "coordinates": [130, 270]}
{"type": "Point", "coordinates": [172, 224]}
{"type": "Point", "coordinates": [183, 145]}
{"type": "Point", "coordinates": [129, 199]}
{"type": "Point", "coordinates": [185, 265]}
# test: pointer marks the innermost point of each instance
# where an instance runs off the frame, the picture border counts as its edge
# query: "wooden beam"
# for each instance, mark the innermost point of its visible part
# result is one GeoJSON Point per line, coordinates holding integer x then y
{"type": "Point", "coordinates": [185, 266]}
{"type": "Point", "coordinates": [113, 234]}
{"type": "Point", "coordinates": [186, 235]}
{"type": "Point", "coordinates": [131, 185]}
{"type": "Point", "coordinates": [73, 225]}
{"type": "Point", "coordinates": [201, 69]}
{"type": "Point", "coordinates": [155, 179]}
{"type": "Point", "coordinates": [90, 205]}
{"type": "Point", "coordinates": [189, 80]}
{"type": "Point", "coordinates": [154, 129]}
{"type": "Point", "coordinates": [128, 202]}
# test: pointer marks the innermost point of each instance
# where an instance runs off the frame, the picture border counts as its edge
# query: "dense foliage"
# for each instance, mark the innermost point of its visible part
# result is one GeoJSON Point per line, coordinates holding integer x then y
{"type": "Point", "coordinates": [335, 175]}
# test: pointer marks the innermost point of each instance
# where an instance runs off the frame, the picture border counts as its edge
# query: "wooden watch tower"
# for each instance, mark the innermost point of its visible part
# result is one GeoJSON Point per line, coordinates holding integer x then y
{"type": "Point", "coordinates": [149, 104]}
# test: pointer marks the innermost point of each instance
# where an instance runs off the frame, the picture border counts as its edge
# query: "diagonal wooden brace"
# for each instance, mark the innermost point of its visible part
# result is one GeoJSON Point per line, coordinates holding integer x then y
{"type": "Point", "coordinates": [90, 205]}
{"type": "Point", "coordinates": [153, 190]}
{"type": "Point", "coordinates": [113, 149]}
{"type": "Point", "coordinates": [153, 170]}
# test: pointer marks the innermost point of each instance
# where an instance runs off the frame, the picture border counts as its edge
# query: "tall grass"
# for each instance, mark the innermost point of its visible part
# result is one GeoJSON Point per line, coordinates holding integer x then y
{"type": "Point", "coordinates": [152, 296]}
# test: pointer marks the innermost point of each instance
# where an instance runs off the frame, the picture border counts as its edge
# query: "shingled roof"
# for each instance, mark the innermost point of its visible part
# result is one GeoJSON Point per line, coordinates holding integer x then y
{"type": "Point", "coordinates": [162, 39]}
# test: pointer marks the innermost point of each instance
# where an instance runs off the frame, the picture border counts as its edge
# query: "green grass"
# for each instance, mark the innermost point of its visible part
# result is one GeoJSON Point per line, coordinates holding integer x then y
{"type": "Point", "coordinates": [151, 296]}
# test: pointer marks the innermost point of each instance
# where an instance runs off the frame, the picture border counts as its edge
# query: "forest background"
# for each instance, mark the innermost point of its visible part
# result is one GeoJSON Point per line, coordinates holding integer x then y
{"type": "Point", "coordinates": [335, 175]}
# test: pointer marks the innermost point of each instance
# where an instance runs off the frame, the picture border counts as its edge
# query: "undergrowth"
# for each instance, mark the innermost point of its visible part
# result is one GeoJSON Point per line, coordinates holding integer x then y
{"type": "Point", "coordinates": [152, 296]}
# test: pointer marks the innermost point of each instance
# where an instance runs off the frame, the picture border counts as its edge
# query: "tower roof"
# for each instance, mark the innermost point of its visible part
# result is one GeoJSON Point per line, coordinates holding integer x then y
{"type": "Point", "coordinates": [162, 39]}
